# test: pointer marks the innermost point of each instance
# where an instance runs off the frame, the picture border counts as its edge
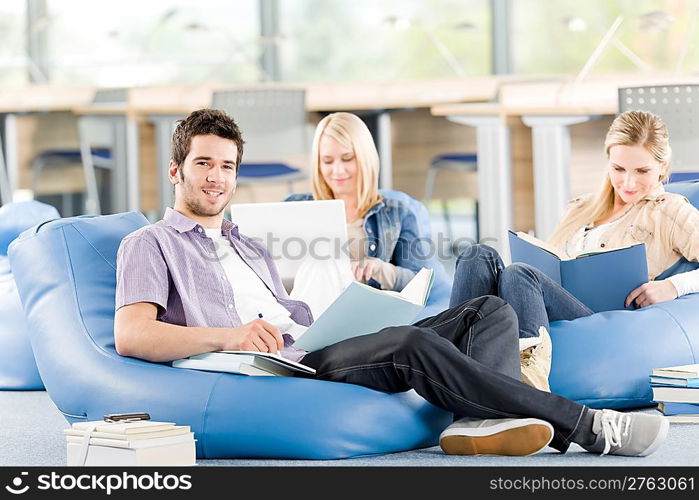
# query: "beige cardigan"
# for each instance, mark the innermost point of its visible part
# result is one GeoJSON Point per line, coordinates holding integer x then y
{"type": "Point", "coordinates": [666, 222]}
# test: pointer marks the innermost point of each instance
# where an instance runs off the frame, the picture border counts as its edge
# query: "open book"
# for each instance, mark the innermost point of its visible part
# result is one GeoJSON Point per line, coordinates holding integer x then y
{"type": "Point", "coordinates": [599, 279]}
{"type": "Point", "coordinates": [552, 249]}
{"type": "Point", "coordinates": [245, 363]}
{"type": "Point", "coordinates": [362, 309]}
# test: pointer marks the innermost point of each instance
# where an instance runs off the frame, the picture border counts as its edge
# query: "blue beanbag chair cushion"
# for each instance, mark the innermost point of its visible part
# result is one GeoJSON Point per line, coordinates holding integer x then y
{"type": "Point", "coordinates": [604, 360]}
{"type": "Point", "coordinates": [17, 367]}
{"type": "Point", "coordinates": [65, 272]}
{"type": "Point", "coordinates": [18, 216]}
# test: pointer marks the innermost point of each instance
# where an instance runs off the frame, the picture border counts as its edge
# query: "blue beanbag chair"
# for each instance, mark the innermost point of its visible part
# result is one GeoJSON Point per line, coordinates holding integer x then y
{"type": "Point", "coordinates": [17, 366]}
{"type": "Point", "coordinates": [65, 272]}
{"type": "Point", "coordinates": [604, 360]}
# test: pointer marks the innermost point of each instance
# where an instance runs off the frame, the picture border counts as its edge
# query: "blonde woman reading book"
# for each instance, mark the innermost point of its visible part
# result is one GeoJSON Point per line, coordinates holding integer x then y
{"type": "Point", "coordinates": [631, 207]}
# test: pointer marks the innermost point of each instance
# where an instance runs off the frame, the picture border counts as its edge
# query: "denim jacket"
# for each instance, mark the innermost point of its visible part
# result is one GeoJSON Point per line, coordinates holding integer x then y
{"type": "Point", "coordinates": [393, 236]}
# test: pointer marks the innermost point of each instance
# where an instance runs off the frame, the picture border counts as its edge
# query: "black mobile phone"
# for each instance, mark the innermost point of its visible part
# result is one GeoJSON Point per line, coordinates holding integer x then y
{"type": "Point", "coordinates": [117, 417]}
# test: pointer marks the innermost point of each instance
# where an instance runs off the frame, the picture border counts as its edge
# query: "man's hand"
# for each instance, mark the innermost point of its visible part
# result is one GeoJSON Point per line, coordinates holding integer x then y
{"type": "Point", "coordinates": [138, 334]}
{"type": "Point", "coordinates": [258, 335]}
{"type": "Point", "coordinates": [651, 293]}
{"type": "Point", "coordinates": [365, 269]}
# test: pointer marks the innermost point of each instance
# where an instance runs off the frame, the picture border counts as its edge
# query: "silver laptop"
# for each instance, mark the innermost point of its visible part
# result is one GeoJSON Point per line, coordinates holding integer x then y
{"type": "Point", "coordinates": [295, 231]}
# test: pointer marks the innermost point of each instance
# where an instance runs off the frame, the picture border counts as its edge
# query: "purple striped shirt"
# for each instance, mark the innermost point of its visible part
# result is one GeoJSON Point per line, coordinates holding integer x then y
{"type": "Point", "coordinates": [173, 264]}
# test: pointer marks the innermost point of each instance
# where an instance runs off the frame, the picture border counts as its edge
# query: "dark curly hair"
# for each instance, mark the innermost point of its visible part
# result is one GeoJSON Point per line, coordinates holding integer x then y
{"type": "Point", "coordinates": [204, 122]}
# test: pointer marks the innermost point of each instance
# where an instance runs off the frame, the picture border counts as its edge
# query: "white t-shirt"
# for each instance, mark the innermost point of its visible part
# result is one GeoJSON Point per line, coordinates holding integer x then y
{"type": "Point", "coordinates": [252, 297]}
{"type": "Point", "coordinates": [588, 238]}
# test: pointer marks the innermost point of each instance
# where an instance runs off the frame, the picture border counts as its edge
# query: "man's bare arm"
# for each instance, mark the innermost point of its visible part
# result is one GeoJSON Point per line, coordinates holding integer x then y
{"type": "Point", "coordinates": [138, 334]}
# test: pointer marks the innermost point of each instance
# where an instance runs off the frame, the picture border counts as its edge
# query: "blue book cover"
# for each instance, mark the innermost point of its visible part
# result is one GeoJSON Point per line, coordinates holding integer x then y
{"type": "Point", "coordinates": [678, 408]}
{"type": "Point", "coordinates": [601, 281]}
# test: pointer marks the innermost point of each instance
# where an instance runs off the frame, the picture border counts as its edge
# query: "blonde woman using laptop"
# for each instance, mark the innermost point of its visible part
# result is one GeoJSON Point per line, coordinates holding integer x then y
{"type": "Point", "coordinates": [384, 244]}
{"type": "Point", "coordinates": [631, 207]}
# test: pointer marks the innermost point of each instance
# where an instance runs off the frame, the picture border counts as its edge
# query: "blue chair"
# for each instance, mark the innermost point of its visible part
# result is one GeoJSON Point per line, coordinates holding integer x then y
{"type": "Point", "coordinates": [683, 176]}
{"type": "Point", "coordinates": [18, 369]}
{"type": "Point", "coordinates": [65, 272]}
{"type": "Point", "coordinates": [456, 162]}
{"type": "Point", "coordinates": [604, 360]}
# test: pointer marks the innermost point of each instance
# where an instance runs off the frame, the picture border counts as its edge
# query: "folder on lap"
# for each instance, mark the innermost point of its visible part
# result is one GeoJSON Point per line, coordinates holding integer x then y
{"type": "Point", "coordinates": [601, 279]}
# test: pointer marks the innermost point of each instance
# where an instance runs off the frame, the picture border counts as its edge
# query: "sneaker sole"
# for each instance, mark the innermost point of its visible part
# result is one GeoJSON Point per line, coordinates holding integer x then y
{"type": "Point", "coordinates": [528, 438]}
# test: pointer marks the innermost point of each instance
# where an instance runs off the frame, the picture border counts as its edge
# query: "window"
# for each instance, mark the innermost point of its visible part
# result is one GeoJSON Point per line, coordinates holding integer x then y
{"type": "Point", "coordinates": [13, 46]}
{"type": "Point", "coordinates": [368, 40]}
{"type": "Point", "coordinates": [654, 36]}
{"type": "Point", "coordinates": [136, 42]}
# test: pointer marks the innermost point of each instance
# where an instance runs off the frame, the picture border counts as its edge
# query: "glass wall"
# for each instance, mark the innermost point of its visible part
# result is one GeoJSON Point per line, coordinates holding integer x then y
{"type": "Point", "coordinates": [136, 42]}
{"type": "Point", "coordinates": [367, 40]}
{"type": "Point", "coordinates": [13, 46]}
{"type": "Point", "coordinates": [645, 35]}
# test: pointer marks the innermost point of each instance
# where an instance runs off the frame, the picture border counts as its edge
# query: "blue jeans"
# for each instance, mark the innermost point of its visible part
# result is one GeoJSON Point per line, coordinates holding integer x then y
{"type": "Point", "coordinates": [535, 297]}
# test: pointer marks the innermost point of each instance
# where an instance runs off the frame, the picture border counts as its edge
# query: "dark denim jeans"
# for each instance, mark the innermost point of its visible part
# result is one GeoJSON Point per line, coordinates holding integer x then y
{"type": "Point", "coordinates": [535, 297]}
{"type": "Point", "coordinates": [464, 360]}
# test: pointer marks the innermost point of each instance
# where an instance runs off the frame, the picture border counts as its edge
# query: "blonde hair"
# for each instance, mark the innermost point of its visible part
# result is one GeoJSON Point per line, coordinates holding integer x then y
{"type": "Point", "coordinates": [350, 131]}
{"type": "Point", "coordinates": [632, 128]}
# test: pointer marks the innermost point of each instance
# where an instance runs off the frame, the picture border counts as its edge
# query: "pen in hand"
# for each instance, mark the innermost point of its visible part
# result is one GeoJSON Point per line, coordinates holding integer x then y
{"type": "Point", "coordinates": [259, 315]}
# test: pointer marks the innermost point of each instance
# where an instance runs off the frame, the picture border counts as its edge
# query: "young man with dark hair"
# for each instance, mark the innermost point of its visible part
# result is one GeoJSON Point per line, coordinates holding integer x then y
{"type": "Point", "coordinates": [191, 283]}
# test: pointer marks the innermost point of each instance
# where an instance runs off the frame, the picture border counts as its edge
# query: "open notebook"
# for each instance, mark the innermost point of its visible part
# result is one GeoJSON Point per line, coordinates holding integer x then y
{"type": "Point", "coordinates": [362, 309]}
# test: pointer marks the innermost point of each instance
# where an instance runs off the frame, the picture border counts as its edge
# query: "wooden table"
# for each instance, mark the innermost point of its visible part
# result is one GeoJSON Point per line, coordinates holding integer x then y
{"type": "Point", "coordinates": [162, 106]}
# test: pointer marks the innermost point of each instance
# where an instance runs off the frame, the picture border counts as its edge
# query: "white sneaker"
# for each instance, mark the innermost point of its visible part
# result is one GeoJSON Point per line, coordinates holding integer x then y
{"type": "Point", "coordinates": [535, 361]}
{"type": "Point", "coordinates": [627, 434]}
{"type": "Point", "coordinates": [516, 437]}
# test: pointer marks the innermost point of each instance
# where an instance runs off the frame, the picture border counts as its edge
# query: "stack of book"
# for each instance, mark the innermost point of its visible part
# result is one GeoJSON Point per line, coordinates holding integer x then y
{"type": "Point", "coordinates": [132, 443]}
{"type": "Point", "coordinates": [676, 390]}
